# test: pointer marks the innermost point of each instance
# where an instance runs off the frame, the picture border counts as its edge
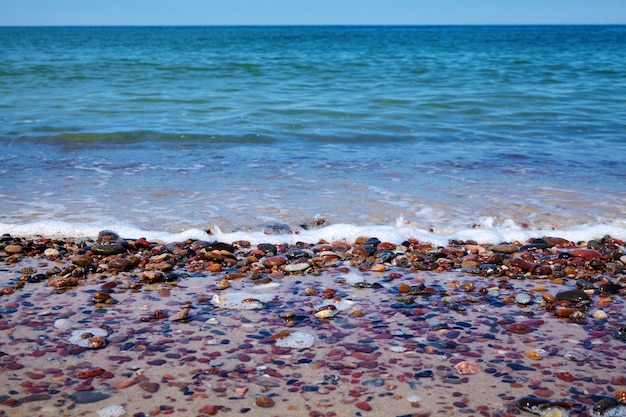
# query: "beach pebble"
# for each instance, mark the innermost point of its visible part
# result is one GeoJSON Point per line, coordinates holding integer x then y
{"type": "Point", "coordinates": [523, 299]}
{"type": "Point", "coordinates": [148, 386]}
{"type": "Point", "coordinates": [51, 252]}
{"type": "Point", "coordinates": [504, 248]}
{"type": "Point", "coordinates": [63, 324]}
{"type": "Point", "coordinates": [108, 250]}
{"type": "Point", "coordinates": [264, 402]}
{"type": "Point", "coordinates": [600, 315]}
{"type": "Point", "coordinates": [574, 296]}
{"type": "Point", "coordinates": [112, 411]}
{"type": "Point", "coordinates": [86, 397]}
{"type": "Point", "coordinates": [13, 249]}
{"type": "Point", "coordinates": [297, 267]}
{"type": "Point", "coordinates": [577, 355]}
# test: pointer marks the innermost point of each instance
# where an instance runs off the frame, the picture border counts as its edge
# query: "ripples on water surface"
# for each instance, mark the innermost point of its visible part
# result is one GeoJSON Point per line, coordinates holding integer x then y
{"type": "Point", "coordinates": [177, 128]}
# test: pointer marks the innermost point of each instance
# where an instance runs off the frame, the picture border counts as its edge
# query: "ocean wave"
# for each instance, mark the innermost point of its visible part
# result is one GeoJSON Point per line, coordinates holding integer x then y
{"type": "Point", "coordinates": [396, 233]}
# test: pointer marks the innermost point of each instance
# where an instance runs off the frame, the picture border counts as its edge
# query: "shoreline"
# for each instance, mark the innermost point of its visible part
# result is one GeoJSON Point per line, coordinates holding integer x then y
{"type": "Point", "coordinates": [200, 328]}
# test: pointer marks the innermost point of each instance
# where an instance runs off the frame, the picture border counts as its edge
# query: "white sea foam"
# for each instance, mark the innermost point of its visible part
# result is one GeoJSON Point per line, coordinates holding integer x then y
{"type": "Point", "coordinates": [486, 232]}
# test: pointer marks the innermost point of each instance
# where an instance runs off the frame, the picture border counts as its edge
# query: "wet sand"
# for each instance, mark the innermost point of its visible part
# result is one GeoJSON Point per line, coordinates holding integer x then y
{"type": "Point", "coordinates": [420, 331]}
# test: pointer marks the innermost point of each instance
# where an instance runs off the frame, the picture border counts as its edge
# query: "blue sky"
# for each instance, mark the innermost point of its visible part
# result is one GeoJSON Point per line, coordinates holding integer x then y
{"type": "Point", "coordinates": [298, 12]}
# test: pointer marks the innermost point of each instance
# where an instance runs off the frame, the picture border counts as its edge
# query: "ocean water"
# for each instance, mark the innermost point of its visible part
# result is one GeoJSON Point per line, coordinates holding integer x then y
{"type": "Point", "coordinates": [302, 133]}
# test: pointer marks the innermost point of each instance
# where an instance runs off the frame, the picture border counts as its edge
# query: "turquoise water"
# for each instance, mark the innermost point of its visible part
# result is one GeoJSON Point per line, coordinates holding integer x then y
{"type": "Point", "coordinates": [441, 129]}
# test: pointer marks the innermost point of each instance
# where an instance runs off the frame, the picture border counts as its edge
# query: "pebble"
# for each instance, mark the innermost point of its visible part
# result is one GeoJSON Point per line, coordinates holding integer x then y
{"type": "Point", "coordinates": [148, 386]}
{"type": "Point", "coordinates": [600, 315]}
{"type": "Point", "coordinates": [297, 267]}
{"type": "Point", "coordinates": [577, 355]}
{"type": "Point", "coordinates": [50, 252]}
{"type": "Point", "coordinates": [86, 397]}
{"type": "Point", "coordinates": [504, 248]}
{"type": "Point", "coordinates": [362, 405]}
{"type": "Point", "coordinates": [13, 249]}
{"type": "Point", "coordinates": [34, 397]}
{"type": "Point", "coordinates": [574, 296]}
{"type": "Point", "coordinates": [523, 299]}
{"type": "Point", "coordinates": [63, 324]}
{"type": "Point", "coordinates": [108, 250]}
{"type": "Point", "coordinates": [264, 402]}
{"type": "Point", "coordinates": [519, 328]}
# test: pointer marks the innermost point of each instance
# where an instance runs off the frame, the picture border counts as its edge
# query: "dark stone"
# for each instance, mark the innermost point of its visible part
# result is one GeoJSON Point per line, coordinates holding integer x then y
{"type": "Point", "coordinates": [424, 374]}
{"type": "Point", "coordinates": [610, 288]}
{"type": "Point", "coordinates": [574, 296]}
{"type": "Point", "coordinates": [108, 250]}
{"type": "Point", "coordinates": [520, 367]}
{"type": "Point", "coordinates": [86, 397]}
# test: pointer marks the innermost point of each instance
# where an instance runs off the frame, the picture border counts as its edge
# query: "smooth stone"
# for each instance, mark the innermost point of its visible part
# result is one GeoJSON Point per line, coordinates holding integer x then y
{"type": "Point", "coordinates": [34, 397]}
{"type": "Point", "coordinates": [264, 402]}
{"type": "Point", "coordinates": [150, 387]}
{"type": "Point", "coordinates": [523, 299]}
{"type": "Point", "coordinates": [574, 296]}
{"type": "Point", "coordinates": [504, 248]}
{"type": "Point", "coordinates": [586, 254]}
{"type": "Point", "coordinates": [51, 252]}
{"type": "Point", "coordinates": [600, 315]}
{"type": "Point", "coordinates": [577, 355]}
{"type": "Point", "coordinates": [297, 267]}
{"type": "Point", "coordinates": [108, 250]}
{"type": "Point", "coordinates": [13, 249]}
{"type": "Point", "coordinates": [86, 397]}
{"type": "Point", "coordinates": [63, 324]}
{"type": "Point", "coordinates": [522, 264]}
{"type": "Point", "coordinates": [274, 261]}
{"type": "Point", "coordinates": [519, 367]}
{"type": "Point", "coordinates": [357, 347]}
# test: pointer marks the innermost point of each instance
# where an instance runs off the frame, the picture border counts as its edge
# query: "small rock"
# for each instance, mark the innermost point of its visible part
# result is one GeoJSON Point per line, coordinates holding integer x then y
{"type": "Point", "coordinates": [504, 248]}
{"type": "Point", "coordinates": [264, 402]}
{"type": "Point", "coordinates": [573, 296]}
{"type": "Point", "coordinates": [150, 387]}
{"type": "Point", "coordinates": [13, 249]}
{"type": "Point", "coordinates": [600, 315]}
{"type": "Point", "coordinates": [523, 299]}
{"type": "Point", "coordinates": [362, 405]}
{"type": "Point", "coordinates": [86, 397]}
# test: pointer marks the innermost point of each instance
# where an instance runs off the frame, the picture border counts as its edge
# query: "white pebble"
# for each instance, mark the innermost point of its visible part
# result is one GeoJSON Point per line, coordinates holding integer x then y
{"type": "Point", "coordinates": [600, 315]}
{"type": "Point", "coordinates": [523, 299]}
{"type": "Point", "coordinates": [297, 267]}
{"type": "Point", "coordinates": [63, 324]}
{"type": "Point", "coordinates": [50, 252]}
{"type": "Point", "coordinates": [112, 411]}
{"type": "Point", "coordinates": [398, 349]}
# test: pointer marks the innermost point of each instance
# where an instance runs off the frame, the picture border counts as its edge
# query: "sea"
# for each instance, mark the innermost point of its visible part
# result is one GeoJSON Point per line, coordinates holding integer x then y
{"type": "Point", "coordinates": [285, 134]}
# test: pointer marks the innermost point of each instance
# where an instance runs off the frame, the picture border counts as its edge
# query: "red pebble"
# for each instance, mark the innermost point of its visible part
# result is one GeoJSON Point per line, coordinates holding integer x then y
{"type": "Point", "coordinates": [519, 328]}
{"type": "Point", "coordinates": [362, 405]}
{"type": "Point", "coordinates": [209, 409]}
{"type": "Point", "coordinates": [564, 376]}
{"type": "Point", "coordinates": [586, 254]}
{"type": "Point", "coordinates": [90, 373]}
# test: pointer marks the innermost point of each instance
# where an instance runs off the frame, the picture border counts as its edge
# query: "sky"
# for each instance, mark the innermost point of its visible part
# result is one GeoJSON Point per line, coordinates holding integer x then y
{"type": "Point", "coordinates": [309, 12]}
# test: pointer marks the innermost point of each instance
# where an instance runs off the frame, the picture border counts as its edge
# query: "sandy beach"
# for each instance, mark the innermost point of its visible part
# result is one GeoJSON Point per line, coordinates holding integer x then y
{"type": "Point", "coordinates": [112, 326]}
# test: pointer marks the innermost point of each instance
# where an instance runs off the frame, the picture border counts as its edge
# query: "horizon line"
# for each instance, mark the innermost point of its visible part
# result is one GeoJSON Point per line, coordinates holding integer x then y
{"type": "Point", "coordinates": [309, 25]}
